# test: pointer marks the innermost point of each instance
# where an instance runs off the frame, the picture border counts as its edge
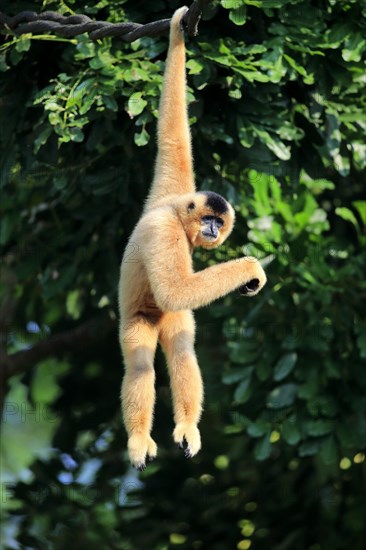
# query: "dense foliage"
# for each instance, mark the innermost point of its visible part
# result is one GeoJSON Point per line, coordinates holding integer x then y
{"type": "Point", "coordinates": [277, 105]}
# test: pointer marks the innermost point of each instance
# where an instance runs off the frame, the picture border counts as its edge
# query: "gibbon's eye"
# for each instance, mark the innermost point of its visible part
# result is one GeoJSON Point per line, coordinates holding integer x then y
{"type": "Point", "coordinates": [208, 219]}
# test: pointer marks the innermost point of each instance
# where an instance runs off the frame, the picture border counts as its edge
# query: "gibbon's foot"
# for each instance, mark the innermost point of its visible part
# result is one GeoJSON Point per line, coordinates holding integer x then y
{"type": "Point", "coordinates": [141, 447]}
{"type": "Point", "coordinates": [189, 433]}
{"type": "Point", "coordinates": [187, 452]}
{"type": "Point", "coordinates": [251, 286]}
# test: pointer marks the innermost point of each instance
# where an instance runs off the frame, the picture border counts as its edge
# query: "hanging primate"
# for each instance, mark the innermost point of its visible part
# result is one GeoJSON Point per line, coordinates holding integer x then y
{"type": "Point", "coordinates": [158, 287]}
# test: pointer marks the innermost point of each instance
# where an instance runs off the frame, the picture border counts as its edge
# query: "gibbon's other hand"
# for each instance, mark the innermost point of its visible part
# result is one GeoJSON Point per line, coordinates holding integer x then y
{"type": "Point", "coordinates": [256, 282]}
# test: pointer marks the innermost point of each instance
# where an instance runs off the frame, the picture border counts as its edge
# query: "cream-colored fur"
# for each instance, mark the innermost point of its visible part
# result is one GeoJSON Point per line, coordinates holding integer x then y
{"type": "Point", "coordinates": [158, 287]}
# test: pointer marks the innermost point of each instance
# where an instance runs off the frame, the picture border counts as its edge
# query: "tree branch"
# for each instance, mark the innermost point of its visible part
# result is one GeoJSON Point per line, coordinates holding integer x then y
{"type": "Point", "coordinates": [58, 345]}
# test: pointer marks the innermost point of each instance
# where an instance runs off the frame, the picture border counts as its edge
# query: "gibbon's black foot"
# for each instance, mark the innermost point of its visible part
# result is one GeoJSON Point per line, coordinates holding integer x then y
{"type": "Point", "coordinates": [182, 443]}
{"type": "Point", "coordinates": [142, 467]}
{"type": "Point", "coordinates": [186, 450]}
{"type": "Point", "coordinates": [251, 286]}
{"type": "Point", "coordinates": [187, 436]}
{"type": "Point", "coordinates": [187, 453]}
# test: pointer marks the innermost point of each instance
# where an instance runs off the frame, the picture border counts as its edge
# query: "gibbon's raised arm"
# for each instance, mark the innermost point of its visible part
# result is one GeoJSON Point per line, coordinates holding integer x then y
{"type": "Point", "coordinates": [174, 166]}
{"type": "Point", "coordinates": [169, 269]}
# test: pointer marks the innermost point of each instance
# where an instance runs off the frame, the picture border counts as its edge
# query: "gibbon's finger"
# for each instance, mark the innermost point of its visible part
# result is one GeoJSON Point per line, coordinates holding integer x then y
{"type": "Point", "coordinates": [177, 19]}
{"type": "Point", "coordinates": [183, 25]}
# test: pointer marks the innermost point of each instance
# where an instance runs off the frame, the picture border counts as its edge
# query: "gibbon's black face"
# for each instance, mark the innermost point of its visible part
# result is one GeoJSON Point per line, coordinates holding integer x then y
{"type": "Point", "coordinates": [207, 218]}
{"type": "Point", "coordinates": [211, 227]}
{"type": "Point", "coordinates": [212, 224]}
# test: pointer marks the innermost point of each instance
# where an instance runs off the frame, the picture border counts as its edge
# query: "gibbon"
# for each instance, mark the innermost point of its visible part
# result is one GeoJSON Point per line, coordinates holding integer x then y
{"type": "Point", "coordinates": [158, 287]}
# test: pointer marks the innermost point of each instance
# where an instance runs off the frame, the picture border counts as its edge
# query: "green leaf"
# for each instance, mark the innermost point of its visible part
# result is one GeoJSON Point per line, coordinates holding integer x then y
{"type": "Point", "coordinates": [284, 366]}
{"type": "Point", "coordinates": [262, 449]}
{"type": "Point", "coordinates": [194, 66]}
{"type": "Point", "coordinates": [27, 433]}
{"type": "Point", "coordinates": [243, 352]}
{"type": "Point", "coordinates": [110, 103]}
{"type": "Point", "coordinates": [309, 448]}
{"type": "Point", "coordinates": [76, 94]}
{"type": "Point", "coordinates": [42, 138]}
{"type": "Point", "coordinates": [346, 214]}
{"type": "Point", "coordinates": [258, 428]}
{"type": "Point", "coordinates": [45, 387]}
{"type": "Point", "coordinates": [238, 15]}
{"type": "Point", "coordinates": [263, 370]}
{"type": "Point", "coordinates": [295, 65]}
{"type": "Point", "coordinates": [237, 374]}
{"type": "Point", "coordinates": [136, 104]}
{"type": "Point", "coordinates": [360, 206]}
{"type": "Point", "coordinates": [230, 4]}
{"type": "Point", "coordinates": [142, 138]}
{"type": "Point", "coordinates": [290, 432]}
{"type": "Point", "coordinates": [74, 304]}
{"type": "Point", "coordinates": [328, 451]}
{"type": "Point", "coordinates": [355, 46]}
{"type": "Point", "coordinates": [317, 428]}
{"type": "Point", "coordinates": [282, 396]}
{"type": "Point", "coordinates": [23, 43]}
{"type": "Point", "coordinates": [243, 391]}
{"type": "Point", "coordinates": [273, 143]}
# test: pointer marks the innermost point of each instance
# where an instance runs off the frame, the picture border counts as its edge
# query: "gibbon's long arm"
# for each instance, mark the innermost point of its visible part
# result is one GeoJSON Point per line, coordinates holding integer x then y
{"type": "Point", "coordinates": [174, 165]}
{"type": "Point", "coordinates": [169, 269]}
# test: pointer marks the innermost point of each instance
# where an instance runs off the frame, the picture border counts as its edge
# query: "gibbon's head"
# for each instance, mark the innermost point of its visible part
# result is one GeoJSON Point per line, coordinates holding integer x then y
{"type": "Point", "coordinates": [207, 218]}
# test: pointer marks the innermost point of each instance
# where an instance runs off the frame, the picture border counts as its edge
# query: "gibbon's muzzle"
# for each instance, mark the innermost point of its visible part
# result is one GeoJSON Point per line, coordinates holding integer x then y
{"type": "Point", "coordinates": [212, 226]}
{"type": "Point", "coordinates": [210, 233]}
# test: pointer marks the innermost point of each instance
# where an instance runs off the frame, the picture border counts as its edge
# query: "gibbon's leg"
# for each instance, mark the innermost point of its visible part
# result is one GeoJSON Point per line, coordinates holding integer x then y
{"type": "Point", "coordinates": [177, 339]}
{"type": "Point", "coordinates": [174, 165]}
{"type": "Point", "coordinates": [138, 340]}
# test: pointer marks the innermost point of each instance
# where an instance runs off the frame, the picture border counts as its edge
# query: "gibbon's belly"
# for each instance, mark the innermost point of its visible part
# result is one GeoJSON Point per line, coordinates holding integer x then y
{"type": "Point", "coordinates": [136, 297]}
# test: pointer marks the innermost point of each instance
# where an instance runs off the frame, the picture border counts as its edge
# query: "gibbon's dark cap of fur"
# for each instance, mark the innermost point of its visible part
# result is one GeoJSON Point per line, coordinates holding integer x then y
{"type": "Point", "coordinates": [216, 202]}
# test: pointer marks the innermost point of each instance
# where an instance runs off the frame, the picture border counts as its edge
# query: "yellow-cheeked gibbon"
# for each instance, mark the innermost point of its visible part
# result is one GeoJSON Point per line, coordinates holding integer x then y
{"type": "Point", "coordinates": [158, 287]}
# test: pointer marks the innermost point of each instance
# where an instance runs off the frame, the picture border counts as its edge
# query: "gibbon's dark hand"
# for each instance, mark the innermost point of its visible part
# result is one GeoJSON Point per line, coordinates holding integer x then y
{"type": "Point", "coordinates": [249, 287]}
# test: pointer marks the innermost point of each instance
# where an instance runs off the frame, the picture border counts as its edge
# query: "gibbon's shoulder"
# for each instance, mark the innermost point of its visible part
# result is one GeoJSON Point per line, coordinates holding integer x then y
{"type": "Point", "coordinates": [157, 221]}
